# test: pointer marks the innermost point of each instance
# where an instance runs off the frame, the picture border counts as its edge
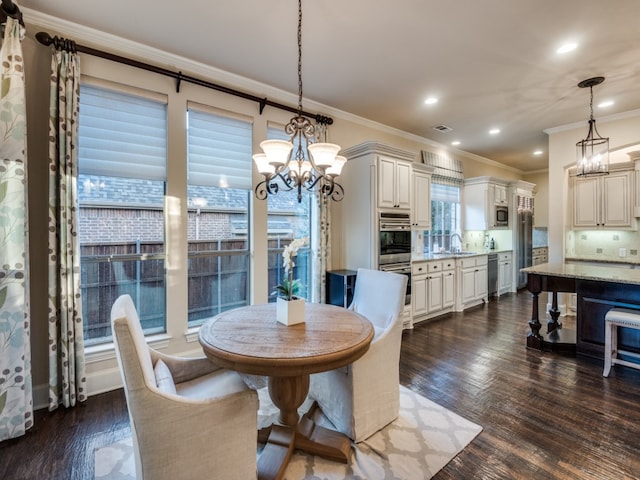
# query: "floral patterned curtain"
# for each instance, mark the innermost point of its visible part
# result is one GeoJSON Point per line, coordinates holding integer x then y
{"type": "Point", "coordinates": [16, 403]}
{"type": "Point", "coordinates": [67, 382]}
{"type": "Point", "coordinates": [323, 257]}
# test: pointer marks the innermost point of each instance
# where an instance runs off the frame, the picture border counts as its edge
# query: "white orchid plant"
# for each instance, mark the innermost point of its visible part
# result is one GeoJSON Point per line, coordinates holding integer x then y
{"type": "Point", "coordinates": [289, 287]}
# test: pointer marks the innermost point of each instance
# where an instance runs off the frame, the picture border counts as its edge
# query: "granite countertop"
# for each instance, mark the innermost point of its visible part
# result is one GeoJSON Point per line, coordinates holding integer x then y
{"type": "Point", "coordinates": [622, 260]}
{"type": "Point", "coordinates": [587, 272]}
{"type": "Point", "coordinates": [425, 257]}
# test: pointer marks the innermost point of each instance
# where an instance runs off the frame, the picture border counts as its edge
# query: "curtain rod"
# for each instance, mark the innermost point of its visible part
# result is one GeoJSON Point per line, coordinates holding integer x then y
{"type": "Point", "coordinates": [69, 45]}
{"type": "Point", "coordinates": [10, 9]}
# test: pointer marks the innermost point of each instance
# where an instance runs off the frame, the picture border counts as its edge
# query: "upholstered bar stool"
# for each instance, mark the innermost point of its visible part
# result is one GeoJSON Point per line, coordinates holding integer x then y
{"type": "Point", "coordinates": [618, 317]}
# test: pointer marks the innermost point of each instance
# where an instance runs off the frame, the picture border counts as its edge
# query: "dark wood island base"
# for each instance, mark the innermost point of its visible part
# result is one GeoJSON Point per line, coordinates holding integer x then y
{"type": "Point", "coordinates": [598, 290]}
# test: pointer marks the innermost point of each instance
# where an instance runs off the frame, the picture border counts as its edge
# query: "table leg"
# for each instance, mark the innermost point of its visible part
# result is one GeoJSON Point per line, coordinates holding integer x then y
{"type": "Point", "coordinates": [554, 313]}
{"type": "Point", "coordinates": [534, 339]}
{"type": "Point", "coordinates": [288, 393]}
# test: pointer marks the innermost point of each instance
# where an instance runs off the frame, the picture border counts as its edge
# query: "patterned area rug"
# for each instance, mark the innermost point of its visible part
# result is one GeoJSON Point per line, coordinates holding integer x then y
{"type": "Point", "coordinates": [422, 440]}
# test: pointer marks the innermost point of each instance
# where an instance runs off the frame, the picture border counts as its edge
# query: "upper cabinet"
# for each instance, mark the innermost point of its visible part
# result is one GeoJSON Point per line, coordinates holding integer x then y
{"type": "Point", "coordinates": [605, 201]}
{"type": "Point", "coordinates": [421, 198]}
{"type": "Point", "coordinates": [483, 197]}
{"type": "Point", "coordinates": [394, 183]}
{"type": "Point", "coordinates": [635, 159]}
{"type": "Point", "coordinates": [499, 194]}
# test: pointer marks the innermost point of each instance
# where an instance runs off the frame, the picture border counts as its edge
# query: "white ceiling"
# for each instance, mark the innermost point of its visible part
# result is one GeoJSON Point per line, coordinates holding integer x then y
{"type": "Point", "coordinates": [492, 63]}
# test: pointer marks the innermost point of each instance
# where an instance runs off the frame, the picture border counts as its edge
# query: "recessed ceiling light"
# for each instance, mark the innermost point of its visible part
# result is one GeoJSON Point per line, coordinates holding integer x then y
{"type": "Point", "coordinates": [538, 152]}
{"type": "Point", "coordinates": [455, 143]}
{"type": "Point", "coordinates": [605, 104]}
{"type": "Point", "coordinates": [567, 47]}
{"type": "Point", "coordinates": [494, 131]}
{"type": "Point", "coordinates": [431, 100]}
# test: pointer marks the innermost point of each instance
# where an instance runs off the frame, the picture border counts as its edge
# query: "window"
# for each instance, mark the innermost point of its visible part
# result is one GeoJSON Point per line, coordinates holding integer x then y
{"type": "Point", "coordinates": [121, 184]}
{"type": "Point", "coordinates": [287, 220]}
{"type": "Point", "coordinates": [446, 182]}
{"type": "Point", "coordinates": [445, 215]}
{"type": "Point", "coordinates": [219, 185]}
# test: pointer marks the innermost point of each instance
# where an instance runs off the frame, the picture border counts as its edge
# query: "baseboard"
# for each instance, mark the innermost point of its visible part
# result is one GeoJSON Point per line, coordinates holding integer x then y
{"type": "Point", "coordinates": [101, 381]}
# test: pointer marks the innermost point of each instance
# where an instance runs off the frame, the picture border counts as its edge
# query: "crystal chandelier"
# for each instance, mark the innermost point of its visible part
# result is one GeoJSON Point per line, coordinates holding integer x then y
{"type": "Point", "coordinates": [312, 165]}
{"type": "Point", "coordinates": [593, 151]}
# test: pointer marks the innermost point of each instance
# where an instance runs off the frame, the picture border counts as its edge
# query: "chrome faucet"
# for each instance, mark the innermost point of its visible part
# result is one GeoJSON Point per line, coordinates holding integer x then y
{"type": "Point", "coordinates": [451, 237]}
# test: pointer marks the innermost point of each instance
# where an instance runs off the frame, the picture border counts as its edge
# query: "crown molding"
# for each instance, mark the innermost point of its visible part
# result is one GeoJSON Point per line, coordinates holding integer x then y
{"type": "Point", "coordinates": [609, 118]}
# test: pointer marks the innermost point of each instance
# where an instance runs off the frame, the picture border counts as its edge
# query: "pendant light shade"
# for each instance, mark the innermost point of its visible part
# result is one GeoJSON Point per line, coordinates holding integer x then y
{"type": "Point", "coordinates": [592, 152]}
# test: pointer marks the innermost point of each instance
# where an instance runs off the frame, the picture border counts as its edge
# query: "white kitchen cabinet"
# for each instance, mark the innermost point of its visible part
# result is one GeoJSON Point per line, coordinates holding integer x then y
{"type": "Point", "coordinates": [434, 292]}
{"type": "Point", "coordinates": [419, 290]}
{"type": "Point", "coordinates": [432, 288]}
{"type": "Point", "coordinates": [540, 255]}
{"type": "Point", "coordinates": [604, 201]}
{"type": "Point", "coordinates": [481, 196]}
{"type": "Point", "coordinates": [394, 184]}
{"type": "Point", "coordinates": [472, 281]}
{"type": "Point", "coordinates": [448, 284]}
{"type": "Point", "coordinates": [500, 194]}
{"type": "Point", "coordinates": [421, 198]}
{"type": "Point", "coordinates": [505, 272]}
{"type": "Point", "coordinates": [635, 160]}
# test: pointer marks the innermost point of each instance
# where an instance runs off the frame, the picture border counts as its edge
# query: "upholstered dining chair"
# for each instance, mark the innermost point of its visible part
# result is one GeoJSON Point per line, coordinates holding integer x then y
{"type": "Point", "coordinates": [189, 418]}
{"type": "Point", "coordinates": [363, 397]}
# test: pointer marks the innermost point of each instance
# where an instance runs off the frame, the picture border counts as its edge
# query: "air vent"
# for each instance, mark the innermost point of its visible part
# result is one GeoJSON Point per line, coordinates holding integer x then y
{"type": "Point", "coordinates": [443, 128]}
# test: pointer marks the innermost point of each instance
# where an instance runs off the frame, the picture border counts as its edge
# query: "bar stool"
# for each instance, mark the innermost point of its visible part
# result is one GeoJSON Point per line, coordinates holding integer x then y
{"type": "Point", "coordinates": [618, 317]}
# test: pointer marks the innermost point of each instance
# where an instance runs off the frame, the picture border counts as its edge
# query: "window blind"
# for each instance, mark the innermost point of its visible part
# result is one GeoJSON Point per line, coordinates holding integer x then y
{"type": "Point", "coordinates": [447, 171]}
{"type": "Point", "coordinates": [445, 193]}
{"type": "Point", "coordinates": [121, 135]}
{"type": "Point", "coordinates": [219, 150]}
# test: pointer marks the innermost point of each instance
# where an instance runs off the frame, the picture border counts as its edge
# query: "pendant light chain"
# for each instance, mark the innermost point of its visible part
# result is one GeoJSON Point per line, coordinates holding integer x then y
{"type": "Point", "coordinates": [591, 102]}
{"type": "Point", "coordinates": [299, 56]}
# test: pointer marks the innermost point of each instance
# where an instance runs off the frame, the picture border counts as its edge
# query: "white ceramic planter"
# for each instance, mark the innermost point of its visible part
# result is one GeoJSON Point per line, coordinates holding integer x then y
{"type": "Point", "coordinates": [290, 312]}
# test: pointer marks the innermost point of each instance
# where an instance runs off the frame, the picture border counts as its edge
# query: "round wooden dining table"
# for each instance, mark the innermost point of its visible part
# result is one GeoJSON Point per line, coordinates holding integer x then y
{"type": "Point", "coordinates": [251, 340]}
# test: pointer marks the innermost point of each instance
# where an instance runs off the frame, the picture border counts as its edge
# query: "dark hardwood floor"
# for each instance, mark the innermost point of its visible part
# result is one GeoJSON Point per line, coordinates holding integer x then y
{"type": "Point", "coordinates": [545, 416]}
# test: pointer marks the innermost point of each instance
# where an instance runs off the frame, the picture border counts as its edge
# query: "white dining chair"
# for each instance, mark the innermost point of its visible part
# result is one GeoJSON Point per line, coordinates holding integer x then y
{"type": "Point", "coordinates": [363, 397]}
{"type": "Point", "coordinates": [189, 418]}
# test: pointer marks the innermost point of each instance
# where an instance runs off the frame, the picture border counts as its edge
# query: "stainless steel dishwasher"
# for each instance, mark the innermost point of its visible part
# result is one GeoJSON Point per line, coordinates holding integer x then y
{"type": "Point", "coordinates": [492, 274]}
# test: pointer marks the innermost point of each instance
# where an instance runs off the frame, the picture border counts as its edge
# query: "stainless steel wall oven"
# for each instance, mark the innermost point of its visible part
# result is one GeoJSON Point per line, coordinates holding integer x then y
{"type": "Point", "coordinates": [394, 241]}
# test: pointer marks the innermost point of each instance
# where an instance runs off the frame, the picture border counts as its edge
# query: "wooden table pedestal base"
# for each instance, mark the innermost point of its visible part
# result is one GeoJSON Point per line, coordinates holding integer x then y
{"type": "Point", "coordinates": [282, 439]}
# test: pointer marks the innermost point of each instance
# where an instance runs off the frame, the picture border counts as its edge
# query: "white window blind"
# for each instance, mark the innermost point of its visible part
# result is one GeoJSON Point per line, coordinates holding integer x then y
{"type": "Point", "coordinates": [219, 150]}
{"type": "Point", "coordinates": [121, 135]}
{"type": "Point", "coordinates": [275, 132]}
{"type": "Point", "coordinates": [445, 193]}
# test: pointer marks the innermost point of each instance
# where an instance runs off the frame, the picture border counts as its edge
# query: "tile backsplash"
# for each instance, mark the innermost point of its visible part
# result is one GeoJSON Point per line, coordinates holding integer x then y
{"type": "Point", "coordinates": [603, 244]}
{"type": "Point", "coordinates": [540, 237]}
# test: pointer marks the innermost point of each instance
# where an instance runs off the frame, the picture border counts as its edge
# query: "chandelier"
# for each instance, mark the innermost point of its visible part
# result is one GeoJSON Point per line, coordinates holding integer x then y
{"type": "Point", "coordinates": [593, 151]}
{"type": "Point", "coordinates": [301, 162]}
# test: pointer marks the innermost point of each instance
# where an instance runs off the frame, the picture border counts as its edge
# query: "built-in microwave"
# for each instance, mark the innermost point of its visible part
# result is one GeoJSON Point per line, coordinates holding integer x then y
{"type": "Point", "coordinates": [501, 216]}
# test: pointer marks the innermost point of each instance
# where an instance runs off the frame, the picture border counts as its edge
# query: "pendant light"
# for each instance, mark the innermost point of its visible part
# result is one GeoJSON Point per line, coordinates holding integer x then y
{"type": "Point", "coordinates": [593, 151]}
{"type": "Point", "coordinates": [301, 162]}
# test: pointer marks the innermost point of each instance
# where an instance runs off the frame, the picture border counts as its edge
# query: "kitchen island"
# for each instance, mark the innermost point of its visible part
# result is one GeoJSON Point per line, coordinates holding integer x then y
{"type": "Point", "coordinates": [598, 290]}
